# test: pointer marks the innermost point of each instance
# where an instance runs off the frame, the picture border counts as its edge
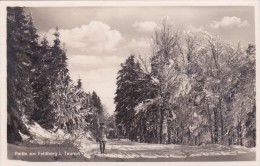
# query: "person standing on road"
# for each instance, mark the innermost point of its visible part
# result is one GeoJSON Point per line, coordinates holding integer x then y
{"type": "Point", "coordinates": [101, 137]}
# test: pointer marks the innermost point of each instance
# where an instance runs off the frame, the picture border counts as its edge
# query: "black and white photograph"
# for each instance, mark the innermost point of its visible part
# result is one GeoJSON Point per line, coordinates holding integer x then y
{"type": "Point", "coordinates": [129, 83]}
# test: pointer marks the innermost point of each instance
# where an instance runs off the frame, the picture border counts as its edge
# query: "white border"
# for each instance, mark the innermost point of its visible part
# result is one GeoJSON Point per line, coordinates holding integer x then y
{"type": "Point", "coordinates": [130, 3]}
{"type": "Point", "coordinates": [3, 87]}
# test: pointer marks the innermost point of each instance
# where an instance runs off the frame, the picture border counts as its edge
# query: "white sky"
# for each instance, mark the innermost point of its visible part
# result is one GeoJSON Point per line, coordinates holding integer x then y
{"type": "Point", "coordinates": [98, 39]}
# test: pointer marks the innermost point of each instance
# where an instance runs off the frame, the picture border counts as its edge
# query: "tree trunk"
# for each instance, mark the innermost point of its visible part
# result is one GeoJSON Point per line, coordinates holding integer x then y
{"type": "Point", "coordinates": [189, 136]}
{"type": "Point", "coordinates": [156, 128]}
{"type": "Point", "coordinates": [210, 124]}
{"type": "Point", "coordinates": [177, 135]}
{"type": "Point", "coordinates": [165, 131]}
{"type": "Point", "coordinates": [161, 125]}
{"type": "Point", "coordinates": [232, 137]}
{"type": "Point", "coordinates": [140, 132]}
{"type": "Point", "coordinates": [171, 132]}
{"type": "Point", "coordinates": [221, 121]}
{"type": "Point", "coordinates": [239, 134]}
{"type": "Point", "coordinates": [144, 131]}
{"type": "Point", "coordinates": [215, 126]}
{"type": "Point", "coordinates": [181, 132]}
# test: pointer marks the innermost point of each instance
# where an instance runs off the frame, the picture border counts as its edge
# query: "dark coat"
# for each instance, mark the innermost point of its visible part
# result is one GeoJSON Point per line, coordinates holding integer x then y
{"type": "Point", "coordinates": [102, 136]}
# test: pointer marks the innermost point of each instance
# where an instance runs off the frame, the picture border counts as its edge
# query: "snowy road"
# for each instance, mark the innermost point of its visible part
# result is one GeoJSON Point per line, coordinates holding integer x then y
{"type": "Point", "coordinates": [124, 150]}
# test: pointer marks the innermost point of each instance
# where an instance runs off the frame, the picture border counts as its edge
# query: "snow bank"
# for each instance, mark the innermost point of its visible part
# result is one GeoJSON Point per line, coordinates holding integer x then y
{"type": "Point", "coordinates": [45, 137]}
{"type": "Point", "coordinates": [42, 136]}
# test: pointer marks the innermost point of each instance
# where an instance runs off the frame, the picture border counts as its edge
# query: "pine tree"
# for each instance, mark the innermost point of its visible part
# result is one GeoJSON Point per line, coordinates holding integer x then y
{"type": "Point", "coordinates": [22, 42]}
{"type": "Point", "coordinates": [96, 102]}
{"type": "Point", "coordinates": [44, 114]}
{"type": "Point", "coordinates": [79, 85]}
{"type": "Point", "coordinates": [59, 64]}
{"type": "Point", "coordinates": [127, 93]}
{"type": "Point", "coordinates": [58, 79]}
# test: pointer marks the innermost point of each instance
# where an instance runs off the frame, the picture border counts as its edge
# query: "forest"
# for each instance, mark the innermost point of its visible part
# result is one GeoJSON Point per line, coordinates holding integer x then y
{"type": "Point", "coordinates": [39, 87]}
{"type": "Point", "coordinates": [193, 89]}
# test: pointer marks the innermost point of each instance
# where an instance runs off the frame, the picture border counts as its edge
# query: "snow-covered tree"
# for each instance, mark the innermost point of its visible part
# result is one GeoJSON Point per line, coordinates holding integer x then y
{"type": "Point", "coordinates": [38, 84]}
{"type": "Point", "coordinates": [126, 97]}
{"type": "Point", "coordinates": [22, 41]}
{"type": "Point", "coordinates": [203, 91]}
{"type": "Point", "coordinates": [42, 86]}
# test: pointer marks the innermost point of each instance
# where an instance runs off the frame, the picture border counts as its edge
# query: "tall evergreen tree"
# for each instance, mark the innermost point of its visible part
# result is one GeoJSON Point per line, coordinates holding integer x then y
{"type": "Point", "coordinates": [22, 42]}
{"type": "Point", "coordinates": [127, 96]}
{"type": "Point", "coordinates": [58, 79]}
{"type": "Point", "coordinates": [44, 114]}
{"type": "Point", "coordinates": [96, 102]}
{"type": "Point", "coordinates": [59, 63]}
{"type": "Point", "coordinates": [79, 83]}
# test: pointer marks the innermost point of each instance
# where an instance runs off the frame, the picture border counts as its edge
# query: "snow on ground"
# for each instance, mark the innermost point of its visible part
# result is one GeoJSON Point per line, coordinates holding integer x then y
{"type": "Point", "coordinates": [87, 148]}
{"type": "Point", "coordinates": [219, 150]}
{"type": "Point", "coordinates": [127, 149]}
{"type": "Point", "coordinates": [47, 137]}
{"type": "Point", "coordinates": [42, 136]}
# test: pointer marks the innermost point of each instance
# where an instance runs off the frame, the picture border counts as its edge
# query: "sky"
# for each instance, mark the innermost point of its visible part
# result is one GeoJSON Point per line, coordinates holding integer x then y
{"type": "Point", "coordinates": [99, 39]}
